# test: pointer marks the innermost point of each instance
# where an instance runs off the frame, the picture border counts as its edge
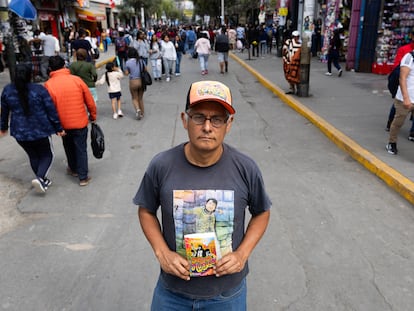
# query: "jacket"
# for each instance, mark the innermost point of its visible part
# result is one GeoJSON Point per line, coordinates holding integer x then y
{"type": "Point", "coordinates": [203, 46]}
{"type": "Point", "coordinates": [84, 70]}
{"type": "Point", "coordinates": [42, 121]}
{"type": "Point", "coordinates": [114, 78]}
{"type": "Point", "coordinates": [72, 99]}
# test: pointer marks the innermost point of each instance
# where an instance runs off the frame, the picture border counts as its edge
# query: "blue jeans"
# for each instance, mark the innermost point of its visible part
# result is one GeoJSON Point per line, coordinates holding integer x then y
{"type": "Point", "coordinates": [203, 58]}
{"type": "Point", "coordinates": [231, 300]}
{"type": "Point", "coordinates": [74, 143]}
{"type": "Point", "coordinates": [178, 62]}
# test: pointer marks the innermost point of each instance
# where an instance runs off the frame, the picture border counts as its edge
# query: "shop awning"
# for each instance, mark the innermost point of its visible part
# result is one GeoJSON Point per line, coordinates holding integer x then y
{"type": "Point", "coordinates": [90, 16]}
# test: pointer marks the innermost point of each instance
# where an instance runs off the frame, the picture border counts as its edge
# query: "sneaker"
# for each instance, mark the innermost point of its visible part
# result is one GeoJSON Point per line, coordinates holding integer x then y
{"type": "Point", "coordinates": [328, 74]}
{"type": "Point", "coordinates": [340, 73]}
{"type": "Point", "coordinates": [206, 72]}
{"type": "Point", "coordinates": [411, 137]}
{"type": "Point", "coordinates": [391, 148]}
{"type": "Point", "coordinates": [138, 114]}
{"type": "Point", "coordinates": [115, 116]}
{"type": "Point", "coordinates": [203, 72]}
{"type": "Point", "coordinates": [71, 173]}
{"type": "Point", "coordinates": [46, 183]}
{"type": "Point", "coordinates": [120, 114]}
{"type": "Point", "coordinates": [177, 74]}
{"type": "Point", "coordinates": [38, 184]}
{"type": "Point", "coordinates": [168, 79]}
{"type": "Point", "coordinates": [85, 182]}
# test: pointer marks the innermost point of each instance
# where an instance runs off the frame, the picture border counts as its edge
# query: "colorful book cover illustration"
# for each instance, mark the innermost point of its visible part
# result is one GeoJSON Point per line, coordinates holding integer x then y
{"type": "Point", "coordinates": [204, 211]}
{"type": "Point", "coordinates": [202, 252]}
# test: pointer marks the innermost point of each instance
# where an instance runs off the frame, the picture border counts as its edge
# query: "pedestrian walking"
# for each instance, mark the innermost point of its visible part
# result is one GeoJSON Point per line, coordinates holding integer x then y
{"type": "Point", "coordinates": [33, 119]}
{"type": "Point", "coordinates": [334, 48]}
{"type": "Point", "coordinates": [133, 68]}
{"type": "Point", "coordinates": [203, 49]}
{"type": "Point", "coordinates": [82, 43]}
{"type": "Point", "coordinates": [169, 55]}
{"type": "Point", "coordinates": [188, 176]}
{"type": "Point", "coordinates": [121, 49]}
{"type": "Point", "coordinates": [398, 56]}
{"type": "Point", "coordinates": [403, 102]}
{"type": "Point", "coordinates": [112, 78]}
{"type": "Point", "coordinates": [142, 46]}
{"type": "Point", "coordinates": [70, 96]}
{"type": "Point", "coordinates": [291, 61]}
{"type": "Point", "coordinates": [50, 48]}
{"type": "Point", "coordinates": [86, 71]}
{"type": "Point", "coordinates": [179, 48]}
{"type": "Point", "coordinates": [222, 48]}
{"type": "Point", "coordinates": [155, 58]}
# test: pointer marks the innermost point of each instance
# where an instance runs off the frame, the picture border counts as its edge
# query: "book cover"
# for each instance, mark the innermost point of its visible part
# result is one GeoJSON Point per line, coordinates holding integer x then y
{"type": "Point", "coordinates": [202, 252]}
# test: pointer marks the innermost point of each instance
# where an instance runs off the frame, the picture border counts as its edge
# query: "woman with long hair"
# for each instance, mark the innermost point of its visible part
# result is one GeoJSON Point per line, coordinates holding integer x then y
{"type": "Point", "coordinates": [155, 58]}
{"type": "Point", "coordinates": [33, 119]}
{"type": "Point", "coordinates": [134, 66]}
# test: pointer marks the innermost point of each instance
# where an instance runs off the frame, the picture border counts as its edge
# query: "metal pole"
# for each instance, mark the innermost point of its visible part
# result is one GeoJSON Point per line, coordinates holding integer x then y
{"type": "Point", "coordinates": [222, 12]}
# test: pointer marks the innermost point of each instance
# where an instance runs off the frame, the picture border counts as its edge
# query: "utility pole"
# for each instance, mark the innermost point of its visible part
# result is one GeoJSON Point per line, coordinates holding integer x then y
{"type": "Point", "coordinates": [222, 12]}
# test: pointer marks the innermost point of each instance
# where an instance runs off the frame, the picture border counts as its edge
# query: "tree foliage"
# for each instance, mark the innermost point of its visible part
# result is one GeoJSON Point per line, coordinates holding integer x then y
{"type": "Point", "coordinates": [212, 7]}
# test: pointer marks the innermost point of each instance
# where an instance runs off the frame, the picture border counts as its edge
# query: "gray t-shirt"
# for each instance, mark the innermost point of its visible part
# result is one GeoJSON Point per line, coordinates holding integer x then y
{"type": "Point", "coordinates": [182, 190]}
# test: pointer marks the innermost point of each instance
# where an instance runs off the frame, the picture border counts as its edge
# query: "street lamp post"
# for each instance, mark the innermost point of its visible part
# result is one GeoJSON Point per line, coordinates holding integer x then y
{"type": "Point", "coordinates": [222, 12]}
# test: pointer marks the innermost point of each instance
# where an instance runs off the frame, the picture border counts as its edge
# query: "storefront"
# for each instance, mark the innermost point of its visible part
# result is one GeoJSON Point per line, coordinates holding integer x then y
{"type": "Point", "coordinates": [396, 23]}
{"type": "Point", "coordinates": [93, 16]}
{"type": "Point", "coordinates": [48, 16]}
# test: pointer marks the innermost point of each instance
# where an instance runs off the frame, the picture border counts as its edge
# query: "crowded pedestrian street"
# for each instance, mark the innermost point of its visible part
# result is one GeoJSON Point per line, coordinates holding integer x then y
{"type": "Point", "coordinates": [340, 231]}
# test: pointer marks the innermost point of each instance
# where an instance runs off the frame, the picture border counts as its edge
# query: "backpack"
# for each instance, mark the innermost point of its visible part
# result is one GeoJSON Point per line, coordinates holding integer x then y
{"type": "Point", "coordinates": [120, 44]}
{"type": "Point", "coordinates": [394, 79]}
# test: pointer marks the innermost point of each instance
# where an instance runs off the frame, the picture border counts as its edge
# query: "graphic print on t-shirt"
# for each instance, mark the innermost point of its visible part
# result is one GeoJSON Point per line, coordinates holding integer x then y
{"type": "Point", "coordinates": [200, 211]}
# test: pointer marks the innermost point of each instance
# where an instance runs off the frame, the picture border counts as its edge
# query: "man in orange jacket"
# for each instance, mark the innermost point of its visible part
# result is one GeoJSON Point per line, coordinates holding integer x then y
{"type": "Point", "coordinates": [70, 95]}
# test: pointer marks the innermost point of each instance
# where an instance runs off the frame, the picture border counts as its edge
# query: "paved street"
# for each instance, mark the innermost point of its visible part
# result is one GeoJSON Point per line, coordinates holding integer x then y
{"type": "Point", "coordinates": [339, 237]}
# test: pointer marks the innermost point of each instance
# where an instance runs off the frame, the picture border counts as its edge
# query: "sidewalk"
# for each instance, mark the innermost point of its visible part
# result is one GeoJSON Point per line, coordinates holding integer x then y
{"type": "Point", "coordinates": [351, 111]}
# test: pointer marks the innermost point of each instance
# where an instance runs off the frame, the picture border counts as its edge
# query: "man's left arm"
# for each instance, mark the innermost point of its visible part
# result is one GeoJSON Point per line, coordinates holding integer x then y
{"type": "Point", "coordinates": [235, 261]}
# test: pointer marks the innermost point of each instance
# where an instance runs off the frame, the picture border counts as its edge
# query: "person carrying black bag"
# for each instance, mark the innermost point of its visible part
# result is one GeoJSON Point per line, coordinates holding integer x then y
{"type": "Point", "coordinates": [222, 48]}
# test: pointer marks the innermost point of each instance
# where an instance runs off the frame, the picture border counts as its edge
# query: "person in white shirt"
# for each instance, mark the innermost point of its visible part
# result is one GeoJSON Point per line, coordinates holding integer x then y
{"type": "Point", "coordinates": [50, 48]}
{"type": "Point", "coordinates": [404, 100]}
{"type": "Point", "coordinates": [112, 78]}
{"type": "Point", "coordinates": [203, 48]}
{"type": "Point", "coordinates": [169, 55]}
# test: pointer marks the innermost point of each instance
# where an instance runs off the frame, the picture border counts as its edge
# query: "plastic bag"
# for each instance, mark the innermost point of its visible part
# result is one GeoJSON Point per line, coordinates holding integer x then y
{"type": "Point", "coordinates": [97, 141]}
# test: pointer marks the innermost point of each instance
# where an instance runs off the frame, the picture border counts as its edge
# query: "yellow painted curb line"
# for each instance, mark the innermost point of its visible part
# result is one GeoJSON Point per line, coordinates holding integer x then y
{"type": "Point", "coordinates": [393, 178]}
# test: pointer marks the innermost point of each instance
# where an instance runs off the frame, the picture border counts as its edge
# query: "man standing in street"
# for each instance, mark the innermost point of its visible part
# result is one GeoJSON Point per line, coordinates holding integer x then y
{"type": "Point", "coordinates": [222, 48]}
{"type": "Point", "coordinates": [404, 100]}
{"type": "Point", "coordinates": [50, 48]}
{"type": "Point", "coordinates": [187, 176]}
{"type": "Point", "coordinates": [70, 95]}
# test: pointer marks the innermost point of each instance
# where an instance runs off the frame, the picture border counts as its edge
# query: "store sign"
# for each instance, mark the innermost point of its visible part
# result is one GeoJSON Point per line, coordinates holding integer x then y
{"type": "Point", "coordinates": [44, 16]}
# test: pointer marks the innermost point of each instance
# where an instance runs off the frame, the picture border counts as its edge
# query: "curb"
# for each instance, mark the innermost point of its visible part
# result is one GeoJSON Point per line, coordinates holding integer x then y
{"type": "Point", "coordinates": [393, 178]}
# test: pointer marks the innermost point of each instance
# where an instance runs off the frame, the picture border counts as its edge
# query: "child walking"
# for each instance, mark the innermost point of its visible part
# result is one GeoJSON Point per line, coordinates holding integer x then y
{"type": "Point", "coordinates": [112, 77]}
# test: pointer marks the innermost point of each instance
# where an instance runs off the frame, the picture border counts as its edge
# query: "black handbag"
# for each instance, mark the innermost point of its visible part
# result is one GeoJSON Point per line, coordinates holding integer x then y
{"type": "Point", "coordinates": [95, 53]}
{"type": "Point", "coordinates": [145, 76]}
{"type": "Point", "coordinates": [97, 141]}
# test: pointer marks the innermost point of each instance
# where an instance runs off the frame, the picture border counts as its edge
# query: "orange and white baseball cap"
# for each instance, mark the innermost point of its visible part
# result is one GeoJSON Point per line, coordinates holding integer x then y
{"type": "Point", "coordinates": [210, 91]}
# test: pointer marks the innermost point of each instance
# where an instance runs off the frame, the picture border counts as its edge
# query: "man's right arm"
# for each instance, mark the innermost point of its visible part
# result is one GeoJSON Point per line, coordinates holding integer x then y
{"type": "Point", "coordinates": [170, 261]}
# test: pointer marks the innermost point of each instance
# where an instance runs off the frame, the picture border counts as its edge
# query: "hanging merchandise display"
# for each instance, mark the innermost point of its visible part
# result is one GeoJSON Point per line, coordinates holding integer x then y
{"type": "Point", "coordinates": [397, 22]}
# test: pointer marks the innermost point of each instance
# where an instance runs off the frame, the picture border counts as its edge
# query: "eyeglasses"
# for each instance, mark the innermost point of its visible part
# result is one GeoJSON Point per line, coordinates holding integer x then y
{"type": "Point", "coordinates": [216, 121]}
